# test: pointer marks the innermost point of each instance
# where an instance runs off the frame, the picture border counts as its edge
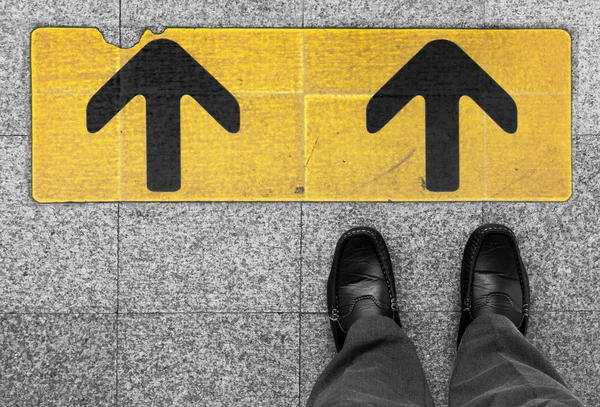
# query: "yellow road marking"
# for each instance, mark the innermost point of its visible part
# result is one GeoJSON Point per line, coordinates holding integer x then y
{"type": "Point", "coordinates": [302, 94]}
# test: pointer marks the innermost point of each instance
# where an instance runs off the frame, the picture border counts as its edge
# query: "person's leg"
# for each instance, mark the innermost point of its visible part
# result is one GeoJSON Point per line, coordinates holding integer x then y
{"type": "Point", "coordinates": [496, 365]}
{"type": "Point", "coordinates": [378, 366]}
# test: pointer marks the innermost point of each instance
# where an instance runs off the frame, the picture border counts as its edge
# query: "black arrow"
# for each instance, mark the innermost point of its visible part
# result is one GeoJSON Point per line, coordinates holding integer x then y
{"type": "Point", "coordinates": [163, 73]}
{"type": "Point", "coordinates": [442, 73]}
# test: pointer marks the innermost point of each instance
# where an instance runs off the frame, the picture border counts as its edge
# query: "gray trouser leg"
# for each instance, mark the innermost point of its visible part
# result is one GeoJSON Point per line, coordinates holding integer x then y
{"type": "Point", "coordinates": [378, 366]}
{"type": "Point", "coordinates": [497, 366]}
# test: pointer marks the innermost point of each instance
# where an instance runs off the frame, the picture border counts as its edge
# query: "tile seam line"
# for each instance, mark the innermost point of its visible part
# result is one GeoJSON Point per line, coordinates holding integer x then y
{"type": "Point", "coordinates": [573, 135]}
{"type": "Point", "coordinates": [483, 13]}
{"type": "Point", "coordinates": [7, 314]}
{"type": "Point", "coordinates": [300, 308]}
{"type": "Point", "coordinates": [304, 136]}
{"type": "Point", "coordinates": [194, 313]}
{"type": "Point", "coordinates": [483, 213]}
{"type": "Point", "coordinates": [58, 313]}
{"type": "Point", "coordinates": [117, 314]}
{"type": "Point", "coordinates": [345, 93]}
{"type": "Point", "coordinates": [324, 313]}
{"type": "Point", "coordinates": [485, 121]}
{"type": "Point", "coordinates": [118, 236]}
{"type": "Point", "coordinates": [321, 313]}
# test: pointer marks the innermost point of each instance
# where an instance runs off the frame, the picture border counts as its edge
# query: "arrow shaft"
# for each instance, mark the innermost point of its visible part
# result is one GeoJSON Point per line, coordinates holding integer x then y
{"type": "Point", "coordinates": [163, 143]}
{"type": "Point", "coordinates": [442, 155]}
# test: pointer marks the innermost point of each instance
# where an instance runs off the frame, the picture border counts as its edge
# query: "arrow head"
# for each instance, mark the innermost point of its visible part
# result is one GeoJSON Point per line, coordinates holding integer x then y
{"type": "Point", "coordinates": [441, 69]}
{"type": "Point", "coordinates": [163, 69]}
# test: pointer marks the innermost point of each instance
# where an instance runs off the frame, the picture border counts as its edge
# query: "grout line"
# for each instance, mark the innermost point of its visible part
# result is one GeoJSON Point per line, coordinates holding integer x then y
{"type": "Point", "coordinates": [300, 309]}
{"type": "Point", "coordinates": [302, 214]}
{"type": "Point", "coordinates": [118, 254]}
{"type": "Point", "coordinates": [301, 250]}
{"type": "Point", "coordinates": [14, 135]}
{"type": "Point", "coordinates": [315, 92]}
{"type": "Point", "coordinates": [117, 360]}
{"type": "Point", "coordinates": [162, 313]}
{"type": "Point", "coordinates": [213, 313]}
{"type": "Point", "coordinates": [321, 313]}
{"type": "Point", "coordinates": [457, 311]}
{"type": "Point", "coordinates": [483, 213]}
{"type": "Point", "coordinates": [485, 121]}
{"type": "Point", "coordinates": [118, 304]}
{"type": "Point", "coordinates": [120, 23]}
{"type": "Point", "coordinates": [483, 16]}
{"type": "Point", "coordinates": [301, 255]}
{"type": "Point", "coordinates": [56, 313]}
{"type": "Point", "coordinates": [299, 360]}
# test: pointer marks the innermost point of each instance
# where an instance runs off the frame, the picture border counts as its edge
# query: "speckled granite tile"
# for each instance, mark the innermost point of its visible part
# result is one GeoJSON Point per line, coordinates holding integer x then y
{"type": "Point", "coordinates": [210, 257]}
{"type": "Point", "coordinates": [389, 14]}
{"type": "Point", "coordinates": [425, 240]}
{"type": "Point", "coordinates": [208, 359]}
{"type": "Point", "coordinates": [17, 20]}
{"type": "Point", "coordinates": [55, 258]}
{"type": "Point", "coordinates": [434, 336]}
{"type": "Point", "coordinates": [14, 114]}
{"type": "Point", "coordinates": [57, 360]}
{"type": "Point", "coordinates": [15, 176]}
{"type": "Point", "coordinates": [559, 241]}
{"type": "Point", "coordinates": [433, 333]}
{"type": "Point", "coordinates": [137, 15]}
{"type": "Point", "coordinates": [570, 340]}
{"type": "Point", "coordinates": [317, 349]}
{"type": "Point", "coordinates": [580, 19]}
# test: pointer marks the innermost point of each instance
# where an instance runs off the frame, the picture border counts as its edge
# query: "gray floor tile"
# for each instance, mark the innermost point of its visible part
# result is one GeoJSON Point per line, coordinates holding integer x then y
{"type": "Point", "coordinates": [580, 19]}
{"type": "Point", "coordinates": [389, 14]}
{"type": "Point", "coordinates": [17, 20]}
{"type": "Point", "coordinates": [317, 349]}
{"type": "Point", "coordinates": [559, 241]}
{"type": "Point", "coordinates": [208, 359]}
{"type": "Point", "coordinates": [55, 258]}
{"type": "Point", "coordinates": [137, 15]}
{"type": "Point", "coordinates": [14, 114]}
{"type": "Point", "coordinates": [433, 333]}
{"type": "Point", "coordinates": [425, 241]}
{"type": "Point", "coordinates": [210, 257]}
{"type": "Point", "coordinates": [434, 336]}
{"type": "Point", "coordinates": [15, 177]}
{"type": "Point", "coordinates": [57, 360]}
{"type": "Point", "coordinates": [570, 342]}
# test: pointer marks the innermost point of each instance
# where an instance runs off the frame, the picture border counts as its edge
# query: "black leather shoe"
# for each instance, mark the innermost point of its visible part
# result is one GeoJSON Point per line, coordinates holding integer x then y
{"type": "Point", "coordinates": [361, 282]}
{"type": "Point", "coordinates": [493, 278]}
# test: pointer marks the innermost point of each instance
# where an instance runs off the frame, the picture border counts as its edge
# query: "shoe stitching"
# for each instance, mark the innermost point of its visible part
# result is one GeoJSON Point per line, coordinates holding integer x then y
{"type": "Point", "coordinates": [341, 328]}
{"type": "Point", "coordinates": [487, 299]}
{"type": "Point", "coordinates": [336, 318]}
{"type": "Point", "coordinates": [364, 297]}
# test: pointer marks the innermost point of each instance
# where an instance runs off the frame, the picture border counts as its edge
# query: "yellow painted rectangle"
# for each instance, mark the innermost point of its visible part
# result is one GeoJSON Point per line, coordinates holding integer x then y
{"type": "Point", "coordinates": [303, 95]}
